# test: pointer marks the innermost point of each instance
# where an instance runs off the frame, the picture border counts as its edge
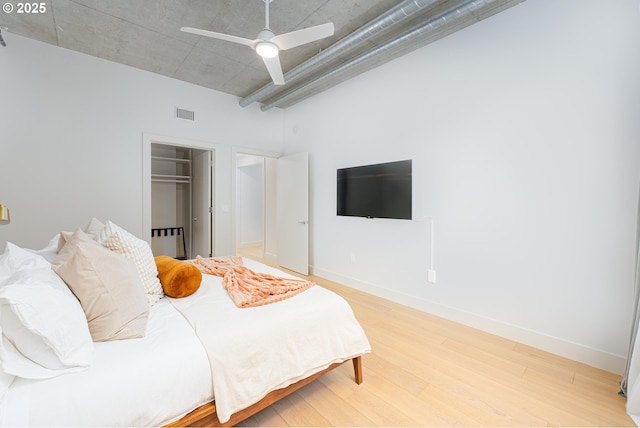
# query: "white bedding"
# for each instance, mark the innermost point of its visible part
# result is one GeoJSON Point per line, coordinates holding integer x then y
{"type": "Point", "coordinates": [159, 378]}
{"type": "Point", "coordinates": [253, 351]}
{"type": "Point", "coordinates": [135, 382]}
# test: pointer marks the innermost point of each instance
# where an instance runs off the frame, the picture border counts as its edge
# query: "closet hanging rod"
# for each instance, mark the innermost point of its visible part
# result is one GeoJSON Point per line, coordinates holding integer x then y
{"type": "Point", "coordinates": [171, 180]}
{"type": "Point", "coordinates": [160, 158]}
{"type": "Point", "coordinates": [185, 177]}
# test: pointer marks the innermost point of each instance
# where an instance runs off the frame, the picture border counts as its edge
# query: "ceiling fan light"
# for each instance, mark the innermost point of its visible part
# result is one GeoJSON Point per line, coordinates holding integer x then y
{"type": "Point", "coordinates": [267, 49]}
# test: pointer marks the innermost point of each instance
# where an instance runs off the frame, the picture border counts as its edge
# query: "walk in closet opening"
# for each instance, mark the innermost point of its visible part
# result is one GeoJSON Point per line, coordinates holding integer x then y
{"type": "Point", "coordinates": [181, 195]}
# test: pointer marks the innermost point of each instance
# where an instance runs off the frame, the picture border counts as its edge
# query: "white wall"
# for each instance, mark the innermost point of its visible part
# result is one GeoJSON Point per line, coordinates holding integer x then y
{"type": "Point", "coordinates": [71, 129]}
{"type": "Point", "coordinates": [524, 135]}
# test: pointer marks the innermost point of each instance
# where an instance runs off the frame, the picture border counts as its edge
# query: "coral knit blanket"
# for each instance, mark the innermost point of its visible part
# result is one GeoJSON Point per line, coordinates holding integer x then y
{"type": "Point", "coordinates": [248, 288]}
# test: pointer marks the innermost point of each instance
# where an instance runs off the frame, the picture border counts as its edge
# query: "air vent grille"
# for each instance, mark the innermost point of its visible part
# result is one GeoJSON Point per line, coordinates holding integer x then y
{"type": "Point", "coordinates": [185, 114]}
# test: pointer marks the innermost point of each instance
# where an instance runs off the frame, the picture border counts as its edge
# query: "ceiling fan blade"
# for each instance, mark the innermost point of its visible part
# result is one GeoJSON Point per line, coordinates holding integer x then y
{"type": "Point", "coordinates": [300, 37]}
{"type": "Point", "coordinates": [220, 36]}
{"type": "Point", "coordinates": [275, 69]}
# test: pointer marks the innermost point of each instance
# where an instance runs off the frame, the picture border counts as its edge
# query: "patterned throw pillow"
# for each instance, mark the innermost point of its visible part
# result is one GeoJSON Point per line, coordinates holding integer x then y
{"type": "Point", "coordinates": [122, 242]}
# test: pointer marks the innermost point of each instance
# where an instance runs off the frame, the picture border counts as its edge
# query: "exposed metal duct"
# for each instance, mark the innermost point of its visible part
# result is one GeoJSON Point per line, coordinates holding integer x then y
{"type": "Point", "coordinates": [445, 18]}
{"type": "Point", "coordinates": [384, 22]}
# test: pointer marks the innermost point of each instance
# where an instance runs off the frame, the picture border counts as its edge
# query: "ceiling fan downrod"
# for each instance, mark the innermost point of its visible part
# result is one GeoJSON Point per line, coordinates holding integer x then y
{"type": "Point", "coordinates": [266, 14]}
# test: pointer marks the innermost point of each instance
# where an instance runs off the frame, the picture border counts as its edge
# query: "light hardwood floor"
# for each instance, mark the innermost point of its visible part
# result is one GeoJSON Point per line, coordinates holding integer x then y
{"type": "Point", "coordinates": [427, 371]}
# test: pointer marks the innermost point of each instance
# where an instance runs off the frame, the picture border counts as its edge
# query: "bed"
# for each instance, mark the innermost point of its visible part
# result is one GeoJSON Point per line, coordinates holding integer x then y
{"type": "Point", "coordinates": [202, 360]}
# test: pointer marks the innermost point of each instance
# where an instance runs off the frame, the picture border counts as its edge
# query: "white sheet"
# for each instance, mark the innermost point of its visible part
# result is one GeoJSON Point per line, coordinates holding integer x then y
{"type": "Point", "coordinates": [136, 382]}
{"type": "Point", "coordinates": [253, 351]}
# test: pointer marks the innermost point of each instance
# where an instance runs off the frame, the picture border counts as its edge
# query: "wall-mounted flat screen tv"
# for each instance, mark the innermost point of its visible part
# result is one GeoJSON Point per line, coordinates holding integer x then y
{"type": "Point", "coordinates": [375, 191]}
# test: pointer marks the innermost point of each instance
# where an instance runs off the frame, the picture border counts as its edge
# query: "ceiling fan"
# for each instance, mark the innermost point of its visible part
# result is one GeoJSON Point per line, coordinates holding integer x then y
{"type": "Point", "coordinates": [268, 45]}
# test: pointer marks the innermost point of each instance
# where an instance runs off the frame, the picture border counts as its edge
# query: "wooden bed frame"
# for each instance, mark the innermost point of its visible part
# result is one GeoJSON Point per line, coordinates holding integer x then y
{"type": "Point", "coordinates": [206, 415]}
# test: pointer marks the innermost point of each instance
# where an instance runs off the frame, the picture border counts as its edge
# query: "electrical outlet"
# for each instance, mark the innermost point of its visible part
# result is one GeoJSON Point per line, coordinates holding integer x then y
{"type": "Point", "coordinates": [353, 258]}
{"type": "Point", "coordinates": [431, 276]}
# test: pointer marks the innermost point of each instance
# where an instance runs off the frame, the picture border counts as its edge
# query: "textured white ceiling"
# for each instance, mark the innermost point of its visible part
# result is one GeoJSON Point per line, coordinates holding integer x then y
{"type": "Point", "coordinates": [146, 34]}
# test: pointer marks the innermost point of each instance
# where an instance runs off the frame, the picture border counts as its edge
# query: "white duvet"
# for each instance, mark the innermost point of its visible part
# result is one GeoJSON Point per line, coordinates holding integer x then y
{"type": "Point", "coordinates": [135, 382]}
{"type": "Point", "coordinates": [253, 351]}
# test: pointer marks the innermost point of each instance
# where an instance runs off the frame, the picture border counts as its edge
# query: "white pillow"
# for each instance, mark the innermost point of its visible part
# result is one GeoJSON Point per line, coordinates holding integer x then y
{"type": "Point", "coordinates": [94, 227]}
{"type": "Point", "coordinates": [44, 330]}
{"type": "Point", "coordinates": [122, 242]}
{"type": "Point", "coordinates": [50, 251]}
{"type": "Point", "coordinates": [15, 258]}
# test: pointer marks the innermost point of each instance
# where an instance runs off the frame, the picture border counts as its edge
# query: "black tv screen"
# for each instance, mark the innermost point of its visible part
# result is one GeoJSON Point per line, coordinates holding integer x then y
{"type": "Point", "coordinates": [375, 191]}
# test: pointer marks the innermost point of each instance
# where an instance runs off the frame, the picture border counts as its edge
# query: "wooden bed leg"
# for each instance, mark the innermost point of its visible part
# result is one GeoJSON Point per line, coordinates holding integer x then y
{"type": "Point", "coordinates": [357, 369]}
{"type": "Point", "coordinates": [206, 415]}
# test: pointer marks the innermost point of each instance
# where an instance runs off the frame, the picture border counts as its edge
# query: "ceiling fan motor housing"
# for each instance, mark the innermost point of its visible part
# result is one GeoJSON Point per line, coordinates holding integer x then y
{"type": "Point", "coordinates": [266, 34]}
{"type": "Point", "coordinates": [265, 48]}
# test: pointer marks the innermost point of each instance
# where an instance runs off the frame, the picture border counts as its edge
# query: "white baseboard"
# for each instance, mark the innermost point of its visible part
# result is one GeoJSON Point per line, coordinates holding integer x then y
{"type": "Point", "coordinates": [574, 351]}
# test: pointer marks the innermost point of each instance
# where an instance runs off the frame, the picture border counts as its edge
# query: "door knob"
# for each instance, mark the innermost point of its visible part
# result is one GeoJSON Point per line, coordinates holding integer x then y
{"type": "Point", "coordinates": [303, 222]}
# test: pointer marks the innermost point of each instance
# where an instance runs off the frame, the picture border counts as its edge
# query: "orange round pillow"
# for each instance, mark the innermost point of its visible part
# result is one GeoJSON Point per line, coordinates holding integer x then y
{"type": "Point", "coordinates": [178, 278]}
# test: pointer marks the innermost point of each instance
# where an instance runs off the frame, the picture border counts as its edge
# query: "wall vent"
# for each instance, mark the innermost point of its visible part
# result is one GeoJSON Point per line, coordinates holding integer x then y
{"type": "Point", "coordinates": [184, 114]}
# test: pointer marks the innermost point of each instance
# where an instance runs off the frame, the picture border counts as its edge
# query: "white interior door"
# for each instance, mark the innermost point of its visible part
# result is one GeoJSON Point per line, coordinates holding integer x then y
{"type": "Point", "coordinates": [202, 185]}
{"type": "Point", "coordinates": [292, 208]}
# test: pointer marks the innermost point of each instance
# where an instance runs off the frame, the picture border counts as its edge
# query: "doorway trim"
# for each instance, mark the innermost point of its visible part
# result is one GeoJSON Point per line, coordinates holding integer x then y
{"type": "Point", "coordinates": [147, 140]}
{"type": "Point", "coordinates": [235, 151]}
